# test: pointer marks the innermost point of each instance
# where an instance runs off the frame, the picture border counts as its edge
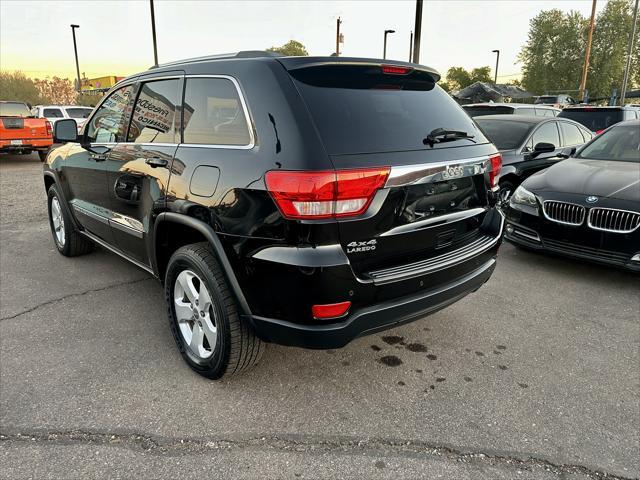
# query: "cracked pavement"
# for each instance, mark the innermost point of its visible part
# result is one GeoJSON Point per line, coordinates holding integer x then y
{"type": "Point", "coordinates": [535, 376]}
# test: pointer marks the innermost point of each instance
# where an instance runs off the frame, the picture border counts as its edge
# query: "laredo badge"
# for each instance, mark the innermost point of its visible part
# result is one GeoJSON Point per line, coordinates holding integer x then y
{"type": "Point", "coordinates": [357, 247]}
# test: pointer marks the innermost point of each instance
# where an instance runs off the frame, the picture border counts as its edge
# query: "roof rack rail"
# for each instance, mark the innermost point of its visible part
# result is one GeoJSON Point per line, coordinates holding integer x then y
{"type": "Point", "coordinates": [241, 54]}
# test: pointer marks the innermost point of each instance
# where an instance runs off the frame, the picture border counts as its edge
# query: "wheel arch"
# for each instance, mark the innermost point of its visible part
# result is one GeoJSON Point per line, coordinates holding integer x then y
{"type": "Point", "coordinates": [191, 230]}
{"type": "Point", "coordinates": [50, 178]}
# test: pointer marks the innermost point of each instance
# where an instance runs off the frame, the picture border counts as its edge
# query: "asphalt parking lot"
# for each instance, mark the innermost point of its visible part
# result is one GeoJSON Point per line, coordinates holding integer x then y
{"type": "Point", "coordinates": [534, 376]}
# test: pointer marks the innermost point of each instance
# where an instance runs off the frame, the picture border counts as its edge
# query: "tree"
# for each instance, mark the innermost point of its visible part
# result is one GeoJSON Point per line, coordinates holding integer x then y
{"type": "Point", "coordinates": [292, 48]}
{"type": "Point", "coordinates": [609, 50]}
{"type": "Point", "coordinates": [459, 78]}
{"type": "Point", "coordinates": [17, 87]}
{"type": "Point", "coordinates": [58, 91]}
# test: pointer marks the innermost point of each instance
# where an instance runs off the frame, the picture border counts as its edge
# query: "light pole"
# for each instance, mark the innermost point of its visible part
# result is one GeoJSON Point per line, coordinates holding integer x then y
{"type": "Point", "coordinates": [75, 49]}
{"type": "Point", "coordinates": [497, 52]}
{"type": "Point", "coordinates": [338, 23]}
{"type": "Point", "coordinates": [384, 51]}
{"type": "Point", "coordinates": [411, 47]}
{"type": "Point", "coordinates": [153, 33]}
{"type": "Point", "coordinates": [418, 32]}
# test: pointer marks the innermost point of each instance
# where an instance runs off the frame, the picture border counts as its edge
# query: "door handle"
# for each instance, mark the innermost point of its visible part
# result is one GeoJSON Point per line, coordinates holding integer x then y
{"type": "Point", "coordinates": [98, 157]}
{"type": "Point", "coordinates": [155, 162]}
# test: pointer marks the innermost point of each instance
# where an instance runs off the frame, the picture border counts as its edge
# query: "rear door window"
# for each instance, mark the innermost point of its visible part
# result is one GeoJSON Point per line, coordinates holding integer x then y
{"type": "Point", "coordinates": [107, 125]}
{"type": "Point", "coordinates": [571, 134]}
{"type": "Point", "coordinates": [52, 113]}
{"type": "Point", "coordinates": [359, 109]}
{"type": "Point", "coordinates": [547, 133]}
{"type": "Point", "coordinates": [154, 113]}
{"type": "Point", "coordinates": [77, 112]}
{"type": "Point", "coordinates": [213, 113]}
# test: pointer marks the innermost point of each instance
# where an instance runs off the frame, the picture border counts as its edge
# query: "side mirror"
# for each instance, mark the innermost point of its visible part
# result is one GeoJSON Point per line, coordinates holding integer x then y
{"type": "Point", "coordinates": [65, 130]}
{"type": "Point", "coordinates": [543, 147]}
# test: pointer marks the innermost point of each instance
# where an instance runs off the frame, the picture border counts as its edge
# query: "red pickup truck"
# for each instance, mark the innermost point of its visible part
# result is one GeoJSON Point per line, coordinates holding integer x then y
{"type": "Point", "coordinates": [20, 132]}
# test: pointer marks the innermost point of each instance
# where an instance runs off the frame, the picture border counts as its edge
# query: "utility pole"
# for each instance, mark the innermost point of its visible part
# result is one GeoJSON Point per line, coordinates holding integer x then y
{"type": "Point", "coordinates": [411, 47]}
{"type": "Point", "coordinates": [75, 49]}
{"type": "Point", "coordinates": [585, 70]}
{"type": "Point", "coordinates": [418, 32]}
{"type": "Point", "coordinates": [623, 93]}
{"type": "Point", "coordinates": [497, 52]}
{"type": "Point", "coordinates": [338, 23]}
{"type": "Point", "coordinates": [153, 33]}
{"type": "Point", "coordinates": [384, 50]}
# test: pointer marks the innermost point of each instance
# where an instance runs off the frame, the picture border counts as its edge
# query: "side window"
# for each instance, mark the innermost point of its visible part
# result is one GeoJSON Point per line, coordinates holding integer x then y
{"type": "Point", "coordinates": [52, 113]}
{"type": "Point", "coordinates": [526, 111]}
{"type": "Point", "coordinates": [628, 115]}
{"type": "Point", "coordinates": [548, 133]}
{"type": "Point", "coordinates": [544, 112]}
{"type": "Point", "coordinates": [213, 113]}
{"type": "Point", "coordinates": [571, 133]}
{"type": "Point", "coordinates": [586, 134]}
{"type": "Point", "coordinates": [107, 124]}
{"type": "Point", "coordinates": [153, 119]}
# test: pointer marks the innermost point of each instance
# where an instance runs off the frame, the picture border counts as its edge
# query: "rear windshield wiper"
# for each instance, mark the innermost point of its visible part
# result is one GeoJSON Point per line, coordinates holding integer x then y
{"type": "Point", "coordinates": [440, 135]}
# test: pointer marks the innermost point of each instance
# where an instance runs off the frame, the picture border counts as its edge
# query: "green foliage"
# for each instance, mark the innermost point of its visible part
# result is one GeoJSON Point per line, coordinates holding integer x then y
{"type": "Point", "coordinates": [16, 86]}
{"type": "Point", "coordinates": [292, 48]}
{"type": "Point", "coordinates": [458, 77]}
{"type": "Point", "coordinates": [553, 56]}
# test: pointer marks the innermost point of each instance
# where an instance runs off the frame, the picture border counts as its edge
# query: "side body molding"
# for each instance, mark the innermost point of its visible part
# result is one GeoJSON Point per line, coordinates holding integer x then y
{"type": "Point", "coordinates": [215, 243]}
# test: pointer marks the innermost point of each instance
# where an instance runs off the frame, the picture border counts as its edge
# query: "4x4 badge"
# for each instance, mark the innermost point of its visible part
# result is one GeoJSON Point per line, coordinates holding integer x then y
{"type": "Point", "coordinates": [592, 199]}
{"type": "Point", "coordinates": [355, 247]}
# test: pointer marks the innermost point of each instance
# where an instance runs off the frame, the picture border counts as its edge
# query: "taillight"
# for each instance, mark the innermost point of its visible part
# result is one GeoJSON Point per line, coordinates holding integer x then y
{"type": "Point", "coordinates": [325, 194]}
{"type": "Point", "coordinates": [332, 310]}
{"type": "Point", "coordinates": [496, 166]}
{"type": "Point", "coordinates": [598, 132]}
{"type": "Point", "coordinates": [395, 70]}
{"type": "Point", "coordinates": [49, 129]}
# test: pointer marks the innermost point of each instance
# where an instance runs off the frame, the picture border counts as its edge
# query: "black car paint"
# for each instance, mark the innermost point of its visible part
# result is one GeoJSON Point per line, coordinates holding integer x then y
{"type": "Point", "coordinates": [274, 265]}
{"type": "Point", "coordinates": [518, 164]}
{"type": "Point", "coordinates": [613, 185]}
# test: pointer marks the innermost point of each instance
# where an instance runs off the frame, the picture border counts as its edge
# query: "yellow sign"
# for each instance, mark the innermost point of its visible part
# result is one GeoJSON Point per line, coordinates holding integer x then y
{"type": "Point", "coordinates": [100, 83]}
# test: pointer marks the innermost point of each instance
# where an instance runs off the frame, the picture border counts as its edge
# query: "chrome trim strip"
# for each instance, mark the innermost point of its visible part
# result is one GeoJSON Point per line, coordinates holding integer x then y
{"type": "Point", "coordinates": [450, 259]}
{"type": "Point", "coordinates": [89, 213]}
{"type": "Point", "coordinates": [617, 210]}
{"type": "Point", "coordinates": [434, 221]}
{"type": "Point", "coordinates": [104, 244]}
{"type": "Point", "coordinates": [433, 172]}
{"type": "Point", "coordinates": [581, 208]}
{"type": "Point", "coordinates": [320, 256]}
{"type": "Point", "coordinates": [120, 225]}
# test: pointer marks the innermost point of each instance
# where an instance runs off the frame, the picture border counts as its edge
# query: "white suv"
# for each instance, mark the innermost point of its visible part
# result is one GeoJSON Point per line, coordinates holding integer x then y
{"type": "Point", "coordinates": [54, 113]}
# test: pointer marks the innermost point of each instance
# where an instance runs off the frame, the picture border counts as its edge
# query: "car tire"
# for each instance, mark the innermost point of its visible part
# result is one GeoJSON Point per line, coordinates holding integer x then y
{"type": "Point", "coordinates": [42, 155]}
{"type": "Point", "coordinates": [203, 315]}
{"type": "Point", "coordinates": [68, 241]}
{"type": "Point", "coordinates": [506, 190]}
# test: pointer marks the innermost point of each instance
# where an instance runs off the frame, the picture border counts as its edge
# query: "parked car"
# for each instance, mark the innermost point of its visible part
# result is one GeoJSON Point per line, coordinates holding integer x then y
{"type": "Point", "coordinates": [481, 109]}
{"type": "Point", "coordinates": [598, 119]}
{"type": "Point", "coordinates": [559, 101]}
{"type": "Point", "coordinates": [304, 201]}
{"type": "Point", "coordinates": [530, 144]}
{"type": "Point", "coordinates": [20, 133]}
{"type": "Point", "coordinates": [53, 113]}
{"type": "Point", "coordinates": [588, 206]}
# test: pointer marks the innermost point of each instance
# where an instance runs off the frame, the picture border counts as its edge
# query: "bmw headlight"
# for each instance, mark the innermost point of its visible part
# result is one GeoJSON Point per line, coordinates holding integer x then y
{"type": "Point", "coordinates": [525, 201]}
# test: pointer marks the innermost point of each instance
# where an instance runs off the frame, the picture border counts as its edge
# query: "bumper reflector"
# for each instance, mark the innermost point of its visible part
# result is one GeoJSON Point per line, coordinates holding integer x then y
{"type": "Point", "coordinates": [331, 310]}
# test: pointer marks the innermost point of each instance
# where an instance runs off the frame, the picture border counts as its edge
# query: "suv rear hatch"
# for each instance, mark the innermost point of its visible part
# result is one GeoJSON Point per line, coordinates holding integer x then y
{"type": "Point", "coordinates": [435, 197]}
{"type": "Point", "coordinates": [595, 119]}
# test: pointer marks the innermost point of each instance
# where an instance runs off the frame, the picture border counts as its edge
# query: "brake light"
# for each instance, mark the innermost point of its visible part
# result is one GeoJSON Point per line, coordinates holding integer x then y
{"type": "Point", "coordinates": [331, 310]}
{"type": "Point", "coordinates": [394, 70]}
{"type": "Point", "coordinates": [49, 129]}
{"type": "Point", "coordinates": [598, 132]}
{"type": "Point", "coordinates": [325, 194]}
{"type": "Point", "coordinates": [496, 166]}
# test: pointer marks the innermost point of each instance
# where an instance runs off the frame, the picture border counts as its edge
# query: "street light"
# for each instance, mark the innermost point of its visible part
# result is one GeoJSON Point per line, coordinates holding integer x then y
{"type": "Point", "coordinates": [75, 49]}
{"type": "Point", "coordinates": [384, 51]}
{"type": "Point", "coordinates": [153, 33]}
{"type": "Point", "coordinates": [497, 52]}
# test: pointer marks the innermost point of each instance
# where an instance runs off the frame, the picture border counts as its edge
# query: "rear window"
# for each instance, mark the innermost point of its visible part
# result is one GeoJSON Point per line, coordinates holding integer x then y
{"type": "Point", "coordinates": [358, 109]}
{"type": "Point", "coordinates": [481, 110]}
{"type": "Point", "coordinates": [52, 113]}
{"type": "Point", "coordinates": [547, 99]}
{"type": "Point", "coordinates": [593, 119]}
{"type": "Point", "coordinates": [79, 112]}
{"type": "Point", "coordinates": [14, 109]}
{"type": "Point", "coordinates": [505, 134]}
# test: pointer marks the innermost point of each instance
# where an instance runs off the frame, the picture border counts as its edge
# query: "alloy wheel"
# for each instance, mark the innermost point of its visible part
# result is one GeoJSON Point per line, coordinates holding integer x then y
{"type": "Point", "coordinates": [58, 221]}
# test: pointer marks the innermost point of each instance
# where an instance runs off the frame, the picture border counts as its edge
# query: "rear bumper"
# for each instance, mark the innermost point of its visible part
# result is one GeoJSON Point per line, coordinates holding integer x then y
{"type": "Point", "coordinates": [371, 319]}
{"type": "Point", "coordinates": [27, 144]}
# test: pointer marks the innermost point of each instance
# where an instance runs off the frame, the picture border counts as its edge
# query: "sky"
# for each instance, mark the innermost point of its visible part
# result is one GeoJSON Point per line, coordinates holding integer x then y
{"type": "Point", "coordinates": [114, 37]}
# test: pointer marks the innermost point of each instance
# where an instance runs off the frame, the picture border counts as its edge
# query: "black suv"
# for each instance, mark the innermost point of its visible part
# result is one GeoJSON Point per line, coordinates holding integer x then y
{"type": "Point", "coordinates": [304, 201]}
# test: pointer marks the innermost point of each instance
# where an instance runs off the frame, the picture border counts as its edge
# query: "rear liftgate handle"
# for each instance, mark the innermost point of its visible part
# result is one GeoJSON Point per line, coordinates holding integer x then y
{"type": "Point", "coordinates": [155, 162]}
